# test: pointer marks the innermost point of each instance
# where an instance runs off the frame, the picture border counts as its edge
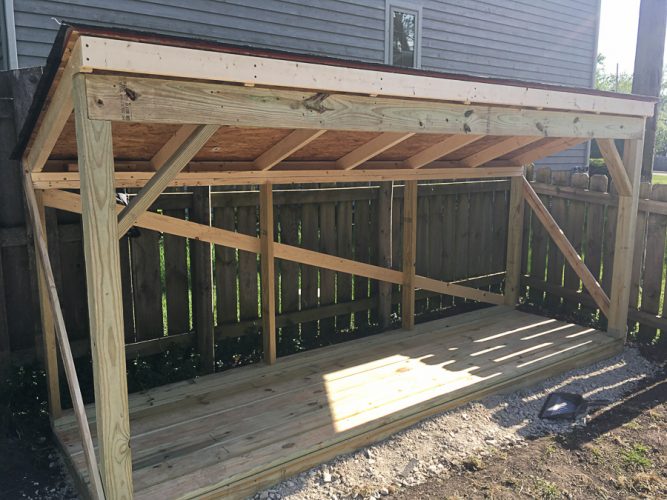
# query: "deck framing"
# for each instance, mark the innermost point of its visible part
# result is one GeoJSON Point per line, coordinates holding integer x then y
{"type": "Point", "coordinates": [498, 128]}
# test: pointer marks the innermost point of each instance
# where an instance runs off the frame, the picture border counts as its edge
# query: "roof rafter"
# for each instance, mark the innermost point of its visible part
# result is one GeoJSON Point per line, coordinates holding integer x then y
{"type": "Point", "coordinates": [372, 148]}
{"type": "Point", "coordinates": [285, 147]}
{"type": "Point", "coordinates": [439, 150]}
{"type": "Point", "coordinates": [497, 150]}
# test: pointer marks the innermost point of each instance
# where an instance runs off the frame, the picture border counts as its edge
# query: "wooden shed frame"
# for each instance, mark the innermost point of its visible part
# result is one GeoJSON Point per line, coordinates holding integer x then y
{"type": "Point", "coordinates": [104, 77]}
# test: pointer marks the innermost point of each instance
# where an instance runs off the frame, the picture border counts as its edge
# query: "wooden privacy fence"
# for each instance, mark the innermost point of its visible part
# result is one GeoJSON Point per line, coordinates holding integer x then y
{"type": "Point", "coordinates": [165, 284]}
{"type": "Point", "coordinates": [461, 236]}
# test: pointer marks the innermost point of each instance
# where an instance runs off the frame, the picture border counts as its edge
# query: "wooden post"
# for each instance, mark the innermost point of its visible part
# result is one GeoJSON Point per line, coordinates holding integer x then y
{"type": "Point", "coordinates": [384, 207]}
{"type": "Point", "coordinates": [647, 74]}
{"type": "Point", "coordinates": [267, 272]}
{"type": "Point", "coordinates": [202, 283]}
{"type": "Point", "coordinates": [514, 242]}
{"type": "Point", "coordinates": [626, 222]}
{"type": "Point", "coordinates": [48, 327]}
{"type": "Point", "coordinates": [105, 303]}
{"type": "Point", "coordinates": [409, 254]}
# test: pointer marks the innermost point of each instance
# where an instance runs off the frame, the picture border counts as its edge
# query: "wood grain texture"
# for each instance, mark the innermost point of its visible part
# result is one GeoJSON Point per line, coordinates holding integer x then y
{"type": "Point", "coordinates": [169, 101]}
{"type": "Point", "coordinates": [105, 299]}
{"type": "Point", "coordinates": [286, 147]}
{"type": "Point", "coordinates": [615, 166]}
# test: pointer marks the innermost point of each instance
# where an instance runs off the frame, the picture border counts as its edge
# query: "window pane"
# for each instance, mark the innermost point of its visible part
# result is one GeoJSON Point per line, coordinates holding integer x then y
{"type": "Point", "coordinates": [403, 39]}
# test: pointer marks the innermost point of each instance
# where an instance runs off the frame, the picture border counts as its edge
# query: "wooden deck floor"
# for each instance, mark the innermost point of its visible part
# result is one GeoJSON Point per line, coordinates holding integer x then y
{"type": "Point", "coordinates": [231, 433]}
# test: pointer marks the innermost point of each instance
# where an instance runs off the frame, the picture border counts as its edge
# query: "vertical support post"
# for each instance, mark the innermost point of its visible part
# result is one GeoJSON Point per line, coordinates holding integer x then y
{"type": "Point", "coordinates": [624, 245]}
{"type": "Point", "coordinates": [267, 272]}
{"type": "Point", "coordinates": [48, 327]}
{"type": "Point", "coordinates": [409, 254]}
{"type": "Point", "coordinates": [514, 242]}
{"type": "Point", "coordinates": [105, 303]}
{"type": "Point", "coordinates": [384, 207]}
{"type": "Point", "coordinates": [203, 282]}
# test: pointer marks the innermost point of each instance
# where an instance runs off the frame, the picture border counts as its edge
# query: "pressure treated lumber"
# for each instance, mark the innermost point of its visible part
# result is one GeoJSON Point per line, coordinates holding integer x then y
{"type": "Point", "coordinates": [287, 146]}
{"type": "Point", "coordinates": [514, 242]}
{"type": "Point", "coordinates": [105, 305]}
{"type": "Point", "coordinates": [372, 148]}
{"type": "Point", "coordinates": [540, 151]}
{"type": "Point", "coordinates": [71, 180]}
{"type": "Point", "coordinates": [362, 391]}
{"type": "Point", "coordinates": [49, 301]}
{"type": "Point", "coordinates": [268, 274]}
{"type": "Point", "coordinates": [172, 61]}
{"type": "Point", "coordinates": [571, 255]}
{"type": "Point", "coordinates": [408, 266]}
{"type": "Point", "coordinates": [72, 203]}
{"type": "Point", "coordinates": [166, 172]}
{"type": "Point", "coordinates": [54, 118]}
{"type": "Point", "coordinates": [181, 102]}
{"type": "Point", "coordinates": [615, 166]}
{"type": "Point", "coordinates": [626, 223]}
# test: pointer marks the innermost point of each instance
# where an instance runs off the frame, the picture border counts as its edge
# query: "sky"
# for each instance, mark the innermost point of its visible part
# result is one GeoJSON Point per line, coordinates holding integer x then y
{"type": "Point", "coordinates": [618, 34]}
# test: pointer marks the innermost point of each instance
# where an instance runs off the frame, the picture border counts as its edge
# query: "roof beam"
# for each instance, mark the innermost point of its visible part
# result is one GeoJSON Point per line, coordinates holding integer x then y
{"type": "Point", "coordinates": [616, 167]}
{"type": "Point", "coordinates": [497, 150]}
{"type": "Point", "coordinates": [287, 146]}
{"type": "Point", "coordinates": [59, 109]}
{"type": "Point", "coordinates": [372, 148]}
{"type": "Point", "coordinates": [170, 101]}
{"type": "Point", "coordinates": [189, 146]}
{"type": "Point", "coordinates": [439, 150]}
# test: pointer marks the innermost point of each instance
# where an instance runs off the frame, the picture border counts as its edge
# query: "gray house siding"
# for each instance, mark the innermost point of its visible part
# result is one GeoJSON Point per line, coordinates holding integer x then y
{"type": "Point", "coordinates": [551, 41]}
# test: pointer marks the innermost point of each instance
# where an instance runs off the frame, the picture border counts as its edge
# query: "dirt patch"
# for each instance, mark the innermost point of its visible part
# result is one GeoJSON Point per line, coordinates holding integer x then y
{"type": "Point", "coordinates": [469, 441]}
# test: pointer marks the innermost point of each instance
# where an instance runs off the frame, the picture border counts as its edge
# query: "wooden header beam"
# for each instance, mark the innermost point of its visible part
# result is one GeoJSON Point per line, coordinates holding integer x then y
{"type": "Point", "coordinates": [170, 61]}
{"type": "Point", "coordinates": [181, 102]}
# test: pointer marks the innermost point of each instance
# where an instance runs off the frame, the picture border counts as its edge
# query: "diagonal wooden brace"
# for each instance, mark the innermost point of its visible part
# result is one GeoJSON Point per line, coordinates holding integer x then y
{"type": "Point", "coordinates": [571, 255]}
{"type": "Point", "coordinates": [189, 147]}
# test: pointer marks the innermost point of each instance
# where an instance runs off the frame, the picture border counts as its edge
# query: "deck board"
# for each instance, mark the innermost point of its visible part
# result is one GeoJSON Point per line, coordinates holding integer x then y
{"type": "Point", "coordinates": [234, 432]}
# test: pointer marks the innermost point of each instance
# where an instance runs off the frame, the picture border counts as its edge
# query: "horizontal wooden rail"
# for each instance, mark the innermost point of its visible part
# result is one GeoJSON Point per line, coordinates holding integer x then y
{"type": "Point", "coordinates": [71, 202]}
{"type": "Point", "coordinates": [72, 180]}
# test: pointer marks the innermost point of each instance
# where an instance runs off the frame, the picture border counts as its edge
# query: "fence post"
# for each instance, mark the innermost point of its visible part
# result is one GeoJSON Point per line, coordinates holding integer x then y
{"type": "Point", "coordinates": [384, 207]}
{"type": "Point", "coordinates": [409, 254]}
{"type": "Point", "coordinates": [268, 279]}
{"type": "Point", "coordinates": [202, 282]}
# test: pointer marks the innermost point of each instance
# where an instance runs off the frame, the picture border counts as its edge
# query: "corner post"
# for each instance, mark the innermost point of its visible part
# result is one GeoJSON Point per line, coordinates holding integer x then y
{"type": "Point", "coordinates": [409, 254]}
{"type": "Point", "coordinates": [267, 272]}
{"type": "Point", "coordinates": [514, 242]}
{"type": "Point", "coordinates": [624, 245]}
{"type": "Point", "coordinates": [105, 303]}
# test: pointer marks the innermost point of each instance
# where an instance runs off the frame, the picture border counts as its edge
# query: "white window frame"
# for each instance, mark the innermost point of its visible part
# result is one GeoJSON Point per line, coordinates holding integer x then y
{"type": "Point", "coordinates": [409, 8]}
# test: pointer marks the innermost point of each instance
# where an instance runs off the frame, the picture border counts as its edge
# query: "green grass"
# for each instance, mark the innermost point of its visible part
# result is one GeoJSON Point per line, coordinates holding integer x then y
{"type": "Point", "coordinates": [659, 178]}
{"type": "Point", "coordinates": [636, 457]}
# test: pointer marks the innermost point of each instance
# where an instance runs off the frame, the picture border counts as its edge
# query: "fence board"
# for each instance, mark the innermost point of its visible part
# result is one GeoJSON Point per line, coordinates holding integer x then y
{"type": "Point", "coordinates": [309, 274]}
{"type": "Point", "coordinates": [176, 280]}
{"type": "Point", "coordinates": [344, 243]}
{"type": "Point", "coordinates": [226, 269]}
{"type": "Point", "coordinates": [362, 253]}
{"type": "Point", "coordinates": [424, 226]}
{"type": "Point", "coordinates": [327, 277]}
{"type": "Point", "coordinates": [555, 259]}
{"type": "Point", "coordinates": [539, 240]}
{"type": "Point", "coordinates": [654, 259]}
{"type": "Point", "coordinates": [248, 287]}
{"type": "Point", "coordinates": [126, 282]}
{"type": "Point", "coordinates": [288, 272]}
{"type": "Point", "coordinates": [574, 229]}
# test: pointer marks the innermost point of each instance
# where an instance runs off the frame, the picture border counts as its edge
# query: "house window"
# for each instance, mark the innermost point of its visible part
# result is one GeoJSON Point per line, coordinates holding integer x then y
{"type": "Point", "coordinates": [403, 28]}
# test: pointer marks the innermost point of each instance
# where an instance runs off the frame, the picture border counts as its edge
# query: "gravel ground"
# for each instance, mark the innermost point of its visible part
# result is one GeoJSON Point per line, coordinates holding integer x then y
{"type": "Point", "coordinates": [461, 436]}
